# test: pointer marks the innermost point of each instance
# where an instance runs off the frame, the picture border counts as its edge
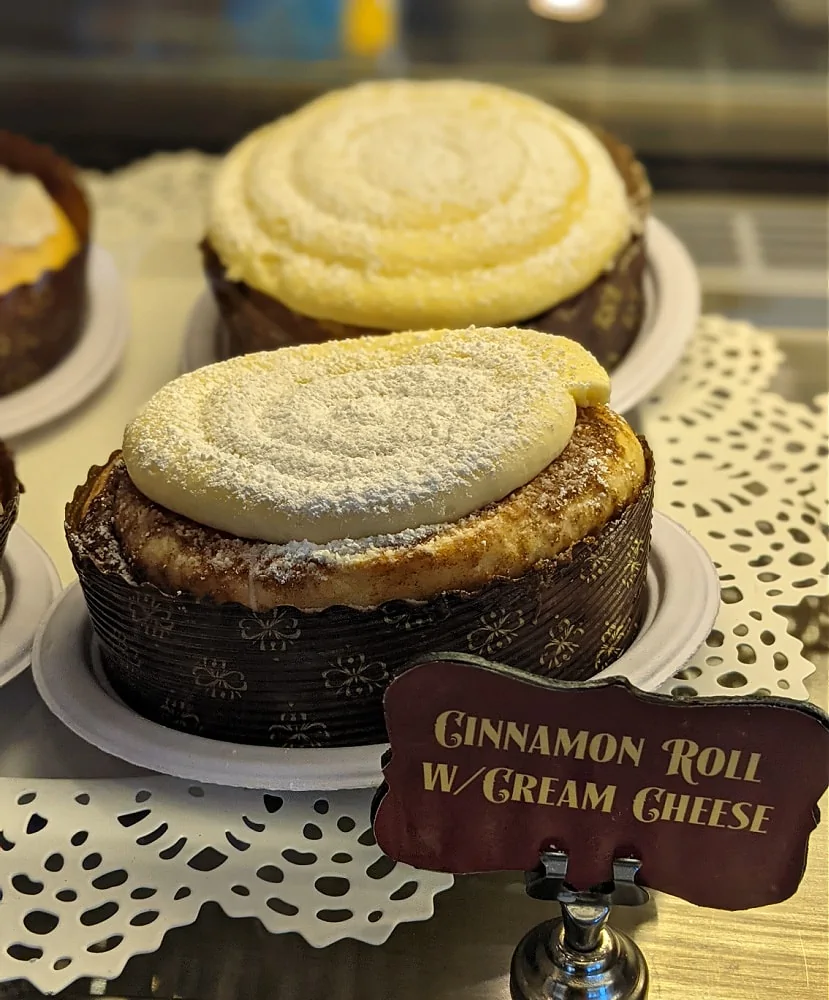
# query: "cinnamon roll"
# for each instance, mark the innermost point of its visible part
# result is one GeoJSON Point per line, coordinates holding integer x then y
{"type": "Point", "coordinates": [399, 205]}
{"type": "Point", "coordinates": [282, 532]}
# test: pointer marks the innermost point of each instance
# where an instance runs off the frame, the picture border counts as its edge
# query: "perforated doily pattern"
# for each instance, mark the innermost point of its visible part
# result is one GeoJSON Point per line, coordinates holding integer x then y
{"type": "Point", "coordinates": [745, 472]}
{"type": "Point", "coordinates": [95, 872]}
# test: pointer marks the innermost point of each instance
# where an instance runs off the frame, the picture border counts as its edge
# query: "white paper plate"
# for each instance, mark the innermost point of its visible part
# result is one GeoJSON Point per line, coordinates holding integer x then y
{"type": "Point", "coordinates": [672, 309]}
{"type": "Point", "coordinates": [28, 586]}
{"type": "Point", "coordinates": [673, 302]}
{"type": "Point", "coordinates": [87, 366]}
{"type": "Point", "coordinates": [684, 598]}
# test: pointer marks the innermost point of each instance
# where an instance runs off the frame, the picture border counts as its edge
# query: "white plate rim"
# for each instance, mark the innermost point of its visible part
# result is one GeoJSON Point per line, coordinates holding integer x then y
{"type": "Point", "coordinates": [680, 569]}
{"type": "Point", "coordinates": [34, 586]}
{"type": "Point", "coordinates": [684, 577]}
{"type": "Point", "coordinates": [672, 311]}
{"type": "Point", "coordinates": [672, 315]}
{"type": "Point", "coordinates": [87, 366]}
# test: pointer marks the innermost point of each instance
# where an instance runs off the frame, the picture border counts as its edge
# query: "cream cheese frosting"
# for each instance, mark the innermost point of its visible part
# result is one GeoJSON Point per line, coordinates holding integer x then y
{"type": "Point", "coordinates": [364, 437]}
{"type": "Point", "coordinates": [410, 204]}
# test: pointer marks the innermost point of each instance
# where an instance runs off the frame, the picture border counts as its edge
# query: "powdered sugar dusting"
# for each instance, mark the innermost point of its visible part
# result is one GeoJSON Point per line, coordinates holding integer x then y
{"type": "Point", "coordinates": [400, 204]}
{"type": "Point", "coordinates": [354, 439]}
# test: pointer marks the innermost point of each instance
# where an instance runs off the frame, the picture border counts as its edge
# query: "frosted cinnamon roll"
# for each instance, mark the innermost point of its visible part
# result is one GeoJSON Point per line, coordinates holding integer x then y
{"type": "Point", "coordinates": [282, 532]}
{"type": "Point", "coordinates": [408, 205]}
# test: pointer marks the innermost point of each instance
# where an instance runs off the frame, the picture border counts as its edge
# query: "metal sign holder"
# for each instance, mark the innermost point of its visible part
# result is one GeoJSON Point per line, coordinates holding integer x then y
{"type": "Point", "coordinates": [579, 957]}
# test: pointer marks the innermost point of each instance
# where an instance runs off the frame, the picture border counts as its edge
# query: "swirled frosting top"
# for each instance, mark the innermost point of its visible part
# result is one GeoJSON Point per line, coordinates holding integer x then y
{"type": "Point", "coordinates": [411, 204]}
{"type": "Point", "coordinates": [355, 438]}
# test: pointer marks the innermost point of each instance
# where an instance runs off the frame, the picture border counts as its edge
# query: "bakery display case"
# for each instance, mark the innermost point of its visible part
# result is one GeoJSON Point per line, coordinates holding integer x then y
{"type": "Point", "coordinates": [237, 508]}
{"type": "Point", "coordinates": [687, 81]}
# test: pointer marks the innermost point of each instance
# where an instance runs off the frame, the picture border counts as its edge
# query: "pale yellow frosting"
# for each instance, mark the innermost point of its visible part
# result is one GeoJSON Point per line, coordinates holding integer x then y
{"type": "Point", "coordinates": [35, 234]}
{"type": "Point", "coordinates": [356, 438]}
{"type": "Point", "coordinates": [411, 204]}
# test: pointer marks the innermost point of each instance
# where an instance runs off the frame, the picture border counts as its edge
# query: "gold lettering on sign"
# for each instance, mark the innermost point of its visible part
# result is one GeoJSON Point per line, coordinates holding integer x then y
{"type": "Point", "coordinates": [698, 810]}
{"type": "Point", "coordinates": [711, 761]}
{"type": "Point", "coordinates": [687, 761]}
{"type": "Point", "coordinates": [439, 774]}
{"type": "Point", "coordinates": [454, 728]}
{"type": "Point", "coordinates": [516, 734]}
{"type": "Point", "coordinates": [676, 807]}
{"type": "Point", "coordinates": [739, 812]}
{"type": "Point", "coordinates": [565, 744]}
{"type": "Point", "coordinates": [523, 788]}
{"type": "Point", "coordinates": [760, 817]}
{"type": "Point", "coordinates": [631, 749]}
{"type": "Point", "coordinates": [490, 732]}
{"type": "Point", "coordinates": [569, 795]}
{"type": "Point", "coordinates": [751, 768]}
{"type": "Point", "coordinates": [691, 763]}
{"type": "Point", "coordinates": [716, 813]}
{"type": "Point", "coordinates": [642, 809]}
{"type": "Point", "coordinates": [600, 801]}
{"type": "Point", "coordinates": [495, 784]}
{"type": "Point", "coordinates": [540, 742]}
{"type": "Point", "coordinates": [653, 804]}
{"type": "Point", "coordinates": [544, 793]}
{"type": "Point", "coordinates": [503, 784]}
{"type": "Point", "coordinates": [601, 747]}
{"type": "Point", "coordinates": [441, 722]}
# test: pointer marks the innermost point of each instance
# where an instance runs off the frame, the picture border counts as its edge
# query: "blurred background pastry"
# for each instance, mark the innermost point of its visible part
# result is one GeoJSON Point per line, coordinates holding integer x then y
{"type": "Point", "coordinates": [9, 496]}
{"type": "Point", "coordinates": [412, 205]}
{"type": "Point", "coordinates": [44, 239]}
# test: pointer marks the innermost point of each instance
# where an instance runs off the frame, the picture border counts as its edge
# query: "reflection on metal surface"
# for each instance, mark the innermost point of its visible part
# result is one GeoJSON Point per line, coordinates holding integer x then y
{"type": "Point", "coordinates": [568, 10]}
{"type": "Point", "coordinates": [580, 956]}
{"type": "Point", "coordinates": [546, 964]}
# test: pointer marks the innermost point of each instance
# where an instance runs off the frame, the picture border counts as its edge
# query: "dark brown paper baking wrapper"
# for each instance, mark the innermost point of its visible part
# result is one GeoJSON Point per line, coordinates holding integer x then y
{"type": "Point", "coordinates": [605, 317]}
{"type": "Point", "coordinates": [41, 322]}
{"type": "Point", "coordinates": [9, 496]}
{"type": "Point", "coordinates": [290, 677]}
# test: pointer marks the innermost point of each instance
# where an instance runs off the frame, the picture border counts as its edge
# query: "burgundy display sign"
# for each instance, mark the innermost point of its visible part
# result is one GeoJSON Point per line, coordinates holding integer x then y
{"type": "Point", "coordinates": [489, 766]}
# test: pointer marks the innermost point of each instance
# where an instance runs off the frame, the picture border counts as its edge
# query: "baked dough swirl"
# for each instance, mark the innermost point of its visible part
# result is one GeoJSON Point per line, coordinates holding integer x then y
{"type": "Point", "coordinates": [356, 438]}
{"type": "Point", "coordinates": [411, 204]}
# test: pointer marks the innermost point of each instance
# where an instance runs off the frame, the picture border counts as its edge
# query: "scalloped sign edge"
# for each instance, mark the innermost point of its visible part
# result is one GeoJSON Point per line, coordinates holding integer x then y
{"type": "Point", "coordinates": [488, 766]}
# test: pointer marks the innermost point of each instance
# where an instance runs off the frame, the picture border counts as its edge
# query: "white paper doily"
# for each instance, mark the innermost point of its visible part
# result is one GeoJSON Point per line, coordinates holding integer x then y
{"type": "Point", "coordinates": [28, 585]}
{"type": "Point", "coordinates": [87, 366]}
{"type": "Point", "coordinates": [683, 598]}
{"type": "Point", "coordinates": [95, 872]}
{"type": "Point", "coordinates": [746, 472]}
